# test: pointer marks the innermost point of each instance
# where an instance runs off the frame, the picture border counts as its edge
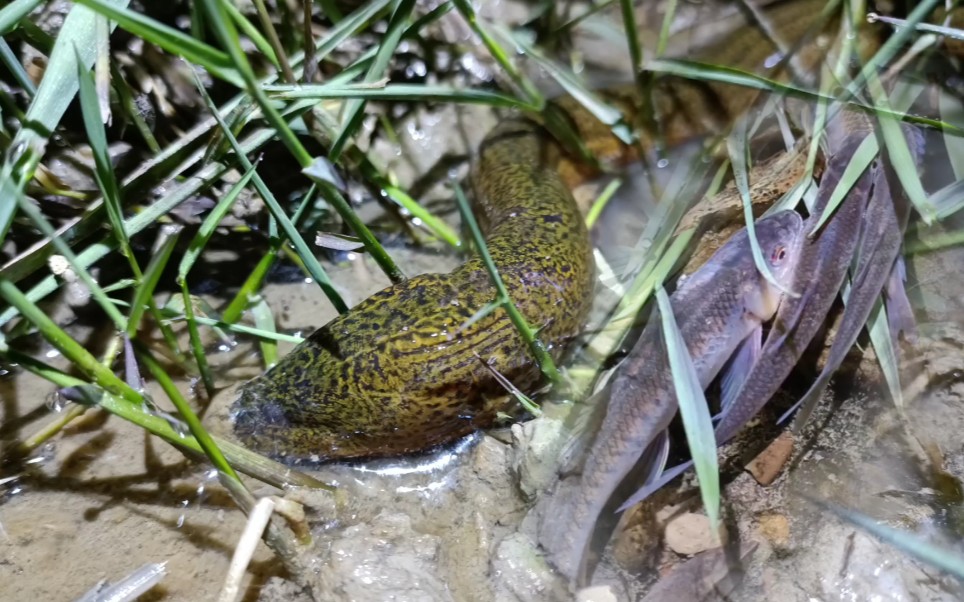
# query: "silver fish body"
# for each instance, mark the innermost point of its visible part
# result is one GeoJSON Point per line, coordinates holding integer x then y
{"type": "Point", "coordinates": [822, 266]}
{"type": "Point", "coordinates": [717, 308]}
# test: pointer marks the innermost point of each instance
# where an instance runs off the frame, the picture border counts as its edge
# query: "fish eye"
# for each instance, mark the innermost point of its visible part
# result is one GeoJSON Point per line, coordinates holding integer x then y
{"type": "Point", "coordinates": [778, 255]}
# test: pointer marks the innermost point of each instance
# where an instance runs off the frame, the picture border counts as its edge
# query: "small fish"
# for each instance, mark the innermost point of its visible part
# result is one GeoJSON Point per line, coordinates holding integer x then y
{"type": "Point", "coordinates": [720, 307]}
{"type": "Point", "coordinates": [879, 268]}
{"type": "Point", "coordinates": [822, 266]}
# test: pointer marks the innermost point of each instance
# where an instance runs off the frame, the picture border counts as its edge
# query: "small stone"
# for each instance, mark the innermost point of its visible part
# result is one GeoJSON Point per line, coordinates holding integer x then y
{"type": "Point", "coordinates": [766, 467]}
{"type": "Point", "coordinates": [596, 593]}
{"type": "Point", "coordinates": [775, 528]}
{"type": "Point", "coordinates": [690, 533]}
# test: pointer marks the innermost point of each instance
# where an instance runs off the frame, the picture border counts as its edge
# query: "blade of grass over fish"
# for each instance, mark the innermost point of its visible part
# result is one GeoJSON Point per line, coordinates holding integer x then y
{"type": "Point", "coordinates": [654, 265]}
{"type": "Point", "coordinates": [949, 200]}
{"type": "Point", "coordinates": [402, 92]}
{"type": "Point", "coordinates": [532, 95]}
{"type": "Point", "coordinates": [191, 49]}
{"type": "Point", "coordinates": [12, 13]}
{"type": "Point", "coordinates": [859, 162]}
{"type": "Point", "coordinates": [883, 342]}
{"type": "Point", "coordinates": [388, 42]}
{"type": "Point", "coordinates": [576, 88]}
{"type": "Point", "coordinates": [889, 49]}
{"type": "Point", "coordinates": [693, 408]}
{"type": "Point", "coordinates": [529, 335]}
{"type": "Point", "coordinates": [899, 155]}
{"type": "Point", "coordinates": [737, 149]}
{"type": "Point", "coordinates": [949, 32]}
{"type": "Point", "coordinates": [607, 340]}
{"type": "Point", "coordinates": [716, 73]}
{"type": "Point", "coordinates": [944, 559]}
{"type": "Point", "coordinates": [952, 111]}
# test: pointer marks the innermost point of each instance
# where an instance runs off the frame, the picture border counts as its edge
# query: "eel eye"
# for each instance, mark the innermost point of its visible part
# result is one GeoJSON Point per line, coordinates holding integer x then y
{"type": "Point", "coordinates": [778, 255]}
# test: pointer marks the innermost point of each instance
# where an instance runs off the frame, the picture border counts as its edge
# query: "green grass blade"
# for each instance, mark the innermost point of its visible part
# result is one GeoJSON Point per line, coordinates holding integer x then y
{"type": "Point", "coordinates": [176, 42]}
{"type": "Point", "coordinates": [899, 156]}
{"type": "Point", "coordinates": [287, 226]}
{"type": "Point", "coordinates": [952, 111]}
{"type": "Point", "coordinates": [264, 321]}
{"type": "Point", "coordinates": [944, 559]}
{"type": "Point", "coordinates": [78, 267]}
{"type": "Point", "coordinates": [57, 89]}
{"type": "Point", "coordinates": [528, 89]}
{"type": "Point", "coordinates": [68, 347]}
{"type": "Point", "coordinates": [203, 438]}
{"type": "Point", "coordinates": [737, 148]}
{"type": "Point", "coordinates": [354, 109]}
{"type": "Point", "coordinates": [400, 92]}
{"type": "Point", "coordinates": [949, 200]}
{"type": "Point", "coordinates": [210, 224]}
{"type": "Point", "coordinates": [538, 349]}
{"type": "Point", "coordinates": [12, 13]}
{"type": "Point", "coordinates": [859, 162]}
{"type": "Point", "coordinates": [152, 275]}
{"type": "Point", "coordinates": [424, 217]}
{"type": "Point", "coordinates": [103, 169]}
{"type": "Point", "coordinates": [13, 65]}
{"type": "Point", "coordinates": [693, 408]}
{"type": "Point", "coordinates": [578, 90]}
{"type": "Point", "coordinates": [883, 342]}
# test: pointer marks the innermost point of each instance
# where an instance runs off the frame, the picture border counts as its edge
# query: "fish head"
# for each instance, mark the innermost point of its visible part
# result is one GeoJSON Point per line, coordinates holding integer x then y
{"type": "Point", "coordinates": [781, 237]}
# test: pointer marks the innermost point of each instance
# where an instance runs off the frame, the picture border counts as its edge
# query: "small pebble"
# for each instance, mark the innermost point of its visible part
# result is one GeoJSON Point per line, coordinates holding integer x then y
{"type": "Point", "coordinates": [775, 528]}
{"type": "Point", "coordinates": [690, 533]}
{"type": "Point", "coordinates": [766, 467]}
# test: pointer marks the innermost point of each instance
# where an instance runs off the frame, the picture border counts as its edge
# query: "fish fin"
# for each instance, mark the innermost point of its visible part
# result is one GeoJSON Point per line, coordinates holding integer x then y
{"type": "Point", "coordinates": [900, 313]}
{"type": "Point", "coordinates": [739, 367]}
{"type": "Point", "coordinates": [655, 485]}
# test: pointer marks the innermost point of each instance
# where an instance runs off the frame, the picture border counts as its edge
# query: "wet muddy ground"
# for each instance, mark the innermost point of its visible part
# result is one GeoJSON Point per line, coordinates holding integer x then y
{"type": "Point", "coordinates": [103, 498]}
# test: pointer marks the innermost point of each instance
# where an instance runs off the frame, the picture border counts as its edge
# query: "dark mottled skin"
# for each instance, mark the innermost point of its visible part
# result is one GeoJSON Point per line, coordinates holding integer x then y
{"type": "Point", "coordinates": [399, 372]}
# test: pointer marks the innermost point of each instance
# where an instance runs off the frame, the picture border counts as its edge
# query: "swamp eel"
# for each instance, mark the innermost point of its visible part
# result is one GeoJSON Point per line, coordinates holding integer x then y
{"type": "Point", "coordinates": [402, 370]}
